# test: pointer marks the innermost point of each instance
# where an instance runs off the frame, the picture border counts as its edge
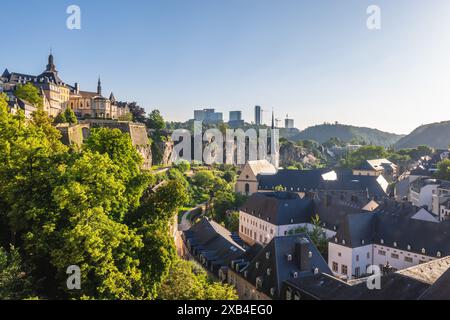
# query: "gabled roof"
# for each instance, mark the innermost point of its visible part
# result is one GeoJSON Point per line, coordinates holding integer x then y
{"type": "Point", "coordinates": [262, 167]}
{"type": "Point", "coordinates": [292, 180]}
{"type": "Point", "coordinates": [319, 179]}
{"type": "Point", "coordinates": [325, 287]}
{"type": "Point", "coordinates": [216, 242]}
{"type": "Point", "coordinates": [279, 208]}
{"type": "Point", "coordinates": [275, 258]}
{"type": "Point", "coordinates": [399, 231]}
{"type": "Point", "coordinates": [428, 272]}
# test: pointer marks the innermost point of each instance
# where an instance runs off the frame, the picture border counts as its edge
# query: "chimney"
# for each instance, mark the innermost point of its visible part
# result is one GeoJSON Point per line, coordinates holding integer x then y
{"type": "Point", "coordinates": [77, 87]}
{"type": "Point", "coordinates": [302, 254]}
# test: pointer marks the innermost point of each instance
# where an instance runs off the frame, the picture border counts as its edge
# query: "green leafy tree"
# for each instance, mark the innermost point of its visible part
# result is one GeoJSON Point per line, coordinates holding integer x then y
{"type": "Point", "coordinates": [155, 120]}
{"type": "Point", "coordinates": [444, 170]}
{"type": "Point", "coordinates": [60, 118]}
{"type": "Point", "coordinates": [70, 117]}
{"type": "Point", "coordinates": [188, 281]}
{"type": "Point", "coordinates": [183, 166]}
{"type": "Point", "coordinates": [29, 93]}
{"type": "Point", "coordinates": [357, 157]}
{"type": "Point", "coordinates": [14, 280]}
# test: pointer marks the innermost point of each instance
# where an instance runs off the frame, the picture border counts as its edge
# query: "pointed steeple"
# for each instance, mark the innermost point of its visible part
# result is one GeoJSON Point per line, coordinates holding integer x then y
{"type": "Point", "coordinates": [273, 120]}
{"type": "Point", "coordinates": [99, 86]}
{"type": "Point", "coordinates": [5, 73]}
{"type": "Point", "coordinates": [51, 65]}
{"type": "Point", "coordinates": [112, 98]}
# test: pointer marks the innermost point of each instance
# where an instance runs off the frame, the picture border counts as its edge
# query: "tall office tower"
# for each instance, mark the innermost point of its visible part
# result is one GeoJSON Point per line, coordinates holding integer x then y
{"type": "Point", "coordinates": [235, 115]}
{"type": "Point", "coordinates": [288, 123]}
{"type": "Point", "coordinates": [258, 115]}
{"type": "Point", "coordinates": [209, 116]}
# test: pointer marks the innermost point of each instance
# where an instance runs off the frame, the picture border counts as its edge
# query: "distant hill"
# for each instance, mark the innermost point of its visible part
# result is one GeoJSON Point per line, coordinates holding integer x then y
{"type": "Point", "coordinates": [323, 132]}
{"type": "Point", "coordinates": [435, 135]}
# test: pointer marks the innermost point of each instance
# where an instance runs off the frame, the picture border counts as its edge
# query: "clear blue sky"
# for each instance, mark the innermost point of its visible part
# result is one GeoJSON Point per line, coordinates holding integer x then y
{"type": "Point", "coordinates": [314, 60]}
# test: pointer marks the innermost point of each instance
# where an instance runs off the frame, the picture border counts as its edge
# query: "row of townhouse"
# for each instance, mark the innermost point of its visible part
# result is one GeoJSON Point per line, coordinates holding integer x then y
{"type": "Point", "coordinates": [291, 268]}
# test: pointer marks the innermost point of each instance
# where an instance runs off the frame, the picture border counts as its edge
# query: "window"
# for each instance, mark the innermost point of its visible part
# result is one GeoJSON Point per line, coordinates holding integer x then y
{"type": "Point", "coordinates": [357, 257]}
{"type": "Point", "coordinates": [368, 255]}
{"type": "Point", "coordinates": [288, 294]}
{"type": "Point", "coordinates": [394, 256]}
{"type": "Point", "coordinates": [344, 269]}
{"type": "Point", "coordinates": [381, 252]}
{"type": "Point", "coordinates": [357, 271]}
{"type": "Point", "coordinates": [408, 259]}
{"type": "Point", "coordinates": [335, 267]}
{"type": "Point", "coordinates": [247, 188]}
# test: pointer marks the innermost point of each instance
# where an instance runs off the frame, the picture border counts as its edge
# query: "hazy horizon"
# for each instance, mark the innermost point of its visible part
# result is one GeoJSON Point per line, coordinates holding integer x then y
{"type": "Point", "coordinates": [313, 60]}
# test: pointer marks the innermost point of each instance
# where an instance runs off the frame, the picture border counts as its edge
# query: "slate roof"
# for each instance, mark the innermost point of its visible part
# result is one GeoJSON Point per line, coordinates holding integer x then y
{"type": "Point", "coordinates": [279, 208]}
{"type": "Point", "coordinates": [324, 287]}
{"type": "Point", "coordinates": [440, 290]}
{"type": "Point", "coordinates": [275, 258]}
{"type": "Point", "coordinates": [307, 180]}
{"type": "Point", "coordinates": [216, 243]}
{"type": "Point", "coordinates": [292, 180]}
{"type": "Point", "coordinates": [386, 229]}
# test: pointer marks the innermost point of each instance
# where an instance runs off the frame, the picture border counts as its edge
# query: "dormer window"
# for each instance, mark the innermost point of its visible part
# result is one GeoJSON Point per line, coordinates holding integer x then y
{"type": "Point", "coordinates": [258, 282]}
{"type": "Point", "coordinates": [382, 241]}
{"type": "Point", "coordinates": [423, 251]}
{"type": "Point", "coordinates": [272, 291]}
{"type": "Point", "coordinates": [343, 242]}
{"type": "Point", "coordinates": [292, 220]}
{"type": "Point", "coordinates": [268, 271]}
{"type": "Point", "coordinates": [395, 244]}
{"type": "Point", "coordinates": [439, 254]}
{"type": "Point", "coordinates": [289, 257]}
{"type": "Point", "coordinates": [336, 240]}
{"type": "Point", "coordinates": [295, 274]}
{"type": "Point", "coordinates": [245, 274]}
{"type": "Point", "coordinates": [316, 270]}
{"type": "Point", "coordinates": [363, 242]}
{"type": "Point", "coordinates": [267, 255]}
{"type": "Point", "coordinates": [257, 265]}
{"type": "Point", "coordinates": [408, 247]}
{"type": "Point", "coordinates": [310, 254]}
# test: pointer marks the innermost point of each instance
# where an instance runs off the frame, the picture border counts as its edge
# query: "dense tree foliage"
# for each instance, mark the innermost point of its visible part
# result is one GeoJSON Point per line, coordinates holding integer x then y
{"type": "Point", "coordinates": [93, 208]}
{"type": "Point", "coordinates": [155, 120]}
{"type": "Point", "coordinates": [70, 116]}
{"type": "Point", "coordinates": [29, 93]}
{"type": "Point", "coordinates": [444, 170]}
{"type": "Point", "coordinates": [188, 281]}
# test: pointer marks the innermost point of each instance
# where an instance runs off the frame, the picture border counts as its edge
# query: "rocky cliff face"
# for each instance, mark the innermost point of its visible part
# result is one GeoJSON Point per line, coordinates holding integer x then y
{"type": "Point", "coordinates": [138, 133]}
{"type": "Point", "coordinates": [166, 148]}
{"type": "Point", "coordinates": [291, 154]}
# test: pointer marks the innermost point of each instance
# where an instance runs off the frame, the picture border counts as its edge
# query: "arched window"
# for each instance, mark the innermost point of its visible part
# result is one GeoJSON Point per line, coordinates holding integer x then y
{"type": "Point", "coordinates": [247, 188]}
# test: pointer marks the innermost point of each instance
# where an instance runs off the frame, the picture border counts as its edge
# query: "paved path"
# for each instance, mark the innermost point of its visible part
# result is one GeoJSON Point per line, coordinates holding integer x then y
{"type": "Point", "coordinates": [185, 222]}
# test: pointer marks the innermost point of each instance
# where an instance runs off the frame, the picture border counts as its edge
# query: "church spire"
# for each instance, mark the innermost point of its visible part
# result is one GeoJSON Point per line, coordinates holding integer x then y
{"type": "Point", "coordinates": [273, 120]}
{"type": "Point", "coordinates": [51, 65]}
{"type": "Point", "coordinates": [99, 86]}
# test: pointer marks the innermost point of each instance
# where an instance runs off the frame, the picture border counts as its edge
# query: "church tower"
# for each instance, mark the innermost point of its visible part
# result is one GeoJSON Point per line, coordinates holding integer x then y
{"type": "Point", "coordinates": [99, 87]}
{"type": "Point", "coordinates": [51, 66]}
